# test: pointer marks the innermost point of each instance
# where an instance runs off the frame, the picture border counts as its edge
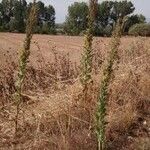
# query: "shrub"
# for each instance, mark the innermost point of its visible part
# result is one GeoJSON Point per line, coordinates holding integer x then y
{"type": "Point", "coordinates": [103, 31]}
{"type": "Point", "coordinates": [45, 29]}
{"type": "Point", "coordinates": [37, 30]}
{"type": "Point", "coordinates": [140, 30]}
{"type": "Point", "coordinates": [108, 31]}
{"type": "Point", "coordinates": [2, 29]}
{"type": "Point", "coordinates": [13, 25]}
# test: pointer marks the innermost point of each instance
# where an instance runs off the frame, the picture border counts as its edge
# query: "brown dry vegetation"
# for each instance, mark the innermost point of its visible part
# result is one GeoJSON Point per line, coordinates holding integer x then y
{"type": "Point", "coordinates": [53, 115]}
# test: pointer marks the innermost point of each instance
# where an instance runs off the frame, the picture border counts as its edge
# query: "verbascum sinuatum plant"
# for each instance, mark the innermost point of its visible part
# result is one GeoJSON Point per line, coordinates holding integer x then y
{"type": "Point", "coordinates": [24, 58]}
{"type": "Point", "coordinates": [103, 96]}
{"type": "Point", "coordinates": [86, 62]}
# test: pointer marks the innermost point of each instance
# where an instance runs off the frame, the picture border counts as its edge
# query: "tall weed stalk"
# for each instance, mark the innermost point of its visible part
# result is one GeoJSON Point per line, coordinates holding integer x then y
{"type": "Point", "coordinates": [23, 60]}
{"type": "Point", "coordinates": [104, 87]}
{"type": "Point", "coordinates": [87, 56]}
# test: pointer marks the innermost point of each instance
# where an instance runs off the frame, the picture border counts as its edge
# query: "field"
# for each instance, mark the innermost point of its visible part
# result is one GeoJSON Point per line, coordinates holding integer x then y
{"type": "Point", "coordinates": [52, 116]}
{"type": "Point", "coordinates": [12, 43]}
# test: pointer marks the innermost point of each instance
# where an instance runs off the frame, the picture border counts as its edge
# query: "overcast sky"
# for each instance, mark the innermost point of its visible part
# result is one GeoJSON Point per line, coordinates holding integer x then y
{"type": "Point", "coordinates": [142, 7]}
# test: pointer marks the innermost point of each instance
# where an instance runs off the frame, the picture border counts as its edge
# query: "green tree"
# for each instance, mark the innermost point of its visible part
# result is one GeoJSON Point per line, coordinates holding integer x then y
{"type": "Point", "coordinates": [12, 14]}
{"type": "Point", "coordinates": [19, 15]}
{"type": "Point", "coordinates": [12, 25]}
{"type": "Point", "coordinates": [107, 16]}
{"type": "Point", "coordinates": [76, 21]}
{"type": "Point", "coordinates": [121, 9]}
{"type": "Point", "coordinates": [6, 12]}
{"type": "Point", "coordinates": [132, 20]}
{"type": "Point", "coordinates": [46, 18]}
{"type": "Point", "coordinates": [41, 12]}
{"type": "Point", "coordinates": [103, 18]}
{"type": "Point", "coordinates": [50, 18]}
{"type": "Point", "coordinates": [1, 14]}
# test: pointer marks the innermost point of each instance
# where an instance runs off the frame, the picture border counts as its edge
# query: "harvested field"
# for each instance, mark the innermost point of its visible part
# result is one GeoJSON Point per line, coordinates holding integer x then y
{"type": "Point", "coordinates": [65, 44]}
{"type": "Point", "coordinates": [52, 116]}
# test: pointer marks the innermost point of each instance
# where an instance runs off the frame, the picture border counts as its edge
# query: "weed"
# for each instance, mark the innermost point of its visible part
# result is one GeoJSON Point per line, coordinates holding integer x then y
{"type": "Point", "coordinates": [103, 94]}
{"type": "Point", "coordinates": [25, 53]}
{"type": "Point", "coordinates": [87, 56]}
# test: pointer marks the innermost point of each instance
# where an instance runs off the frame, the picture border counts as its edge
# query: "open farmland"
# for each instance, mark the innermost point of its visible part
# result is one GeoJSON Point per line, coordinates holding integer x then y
{"type": "Point", "coordinates": [52, 90]}
{"type": "Point", "coordinates": [12, 44]}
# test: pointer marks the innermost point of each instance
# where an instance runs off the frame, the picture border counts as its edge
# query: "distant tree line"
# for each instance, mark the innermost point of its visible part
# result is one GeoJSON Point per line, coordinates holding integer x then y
{"type": "Point", "coordinates": [14, 13]}
{"type": "Point", "coordinates": [107, 15]}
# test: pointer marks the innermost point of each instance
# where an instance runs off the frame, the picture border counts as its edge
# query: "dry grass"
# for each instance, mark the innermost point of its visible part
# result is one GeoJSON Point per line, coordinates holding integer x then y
{"type": "Point", "coordinates": [53, 115]}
